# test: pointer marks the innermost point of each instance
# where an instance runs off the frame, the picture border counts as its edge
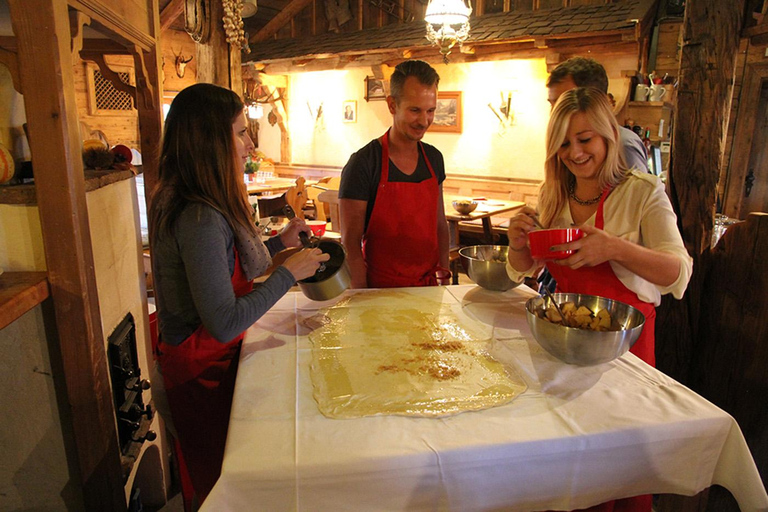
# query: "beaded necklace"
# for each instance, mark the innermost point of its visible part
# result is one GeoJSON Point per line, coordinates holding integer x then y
{"type": "Point", "coordinates": [572, 195]}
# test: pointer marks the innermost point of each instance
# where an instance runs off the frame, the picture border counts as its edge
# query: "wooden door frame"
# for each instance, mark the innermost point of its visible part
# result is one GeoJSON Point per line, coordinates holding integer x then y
{"type": "Point", "coordinates": [754, 76]}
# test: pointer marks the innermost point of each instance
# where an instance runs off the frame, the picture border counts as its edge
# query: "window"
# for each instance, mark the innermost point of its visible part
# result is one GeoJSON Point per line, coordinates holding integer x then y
{"type": "Point", "coordinates": [103, 97]}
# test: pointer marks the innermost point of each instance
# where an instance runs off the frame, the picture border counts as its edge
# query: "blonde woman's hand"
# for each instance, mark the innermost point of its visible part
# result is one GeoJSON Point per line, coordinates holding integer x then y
{"type": "Point", "coordinates": [594, 248]}
{"type": "Point", "coordinates": [305, 263]}
{"type": "Point", "coordinates": [289, 235]}
{"type": "Point", "coordinates": [519, 227]}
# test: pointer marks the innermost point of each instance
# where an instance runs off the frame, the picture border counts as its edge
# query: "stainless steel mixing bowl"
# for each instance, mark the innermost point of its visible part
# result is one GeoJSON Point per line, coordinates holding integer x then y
{"type": "Point", "coordinates": [585, 347]}
{"type": "Point", "coordinates": [486, 265]}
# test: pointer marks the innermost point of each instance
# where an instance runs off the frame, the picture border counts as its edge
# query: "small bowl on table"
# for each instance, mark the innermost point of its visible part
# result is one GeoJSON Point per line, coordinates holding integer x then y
{"type": "Point", "coordinates": [541, 240]}
{"type": "Point", "coordinates": [486, 265]}
{"type": "Point", "coordinates": [583, 346]}
{"type": "Point", "coordinates": [464, 206]}
{"type": "Point", "coordinates": [317, 227]}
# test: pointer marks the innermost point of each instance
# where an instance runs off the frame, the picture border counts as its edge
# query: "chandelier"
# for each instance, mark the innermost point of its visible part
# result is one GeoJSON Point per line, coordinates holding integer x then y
{"type": "Point", "coordinates": [447, 24]}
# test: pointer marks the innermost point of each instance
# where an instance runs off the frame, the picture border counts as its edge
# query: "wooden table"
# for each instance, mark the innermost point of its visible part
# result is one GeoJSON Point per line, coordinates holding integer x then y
{"type": "Point", "coordinates": [275, 185]}
{"type": "Point", "coordinates": [484, 211]}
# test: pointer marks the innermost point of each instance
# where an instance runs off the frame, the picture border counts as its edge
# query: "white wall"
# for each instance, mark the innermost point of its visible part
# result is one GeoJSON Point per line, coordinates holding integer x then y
{"type": "Point", "coordinates": [482, 149]}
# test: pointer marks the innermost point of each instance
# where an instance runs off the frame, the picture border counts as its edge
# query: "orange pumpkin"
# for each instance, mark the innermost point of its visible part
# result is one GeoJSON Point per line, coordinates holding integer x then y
{"type": "Point", "coordinates": [7, 165]}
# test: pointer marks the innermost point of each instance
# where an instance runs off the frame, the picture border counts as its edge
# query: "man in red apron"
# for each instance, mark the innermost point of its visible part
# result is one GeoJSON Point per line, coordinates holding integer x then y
{"type": "Point", "coordinates": [199, 376]}
{"type": "Point", "coordinates": [392, 219]}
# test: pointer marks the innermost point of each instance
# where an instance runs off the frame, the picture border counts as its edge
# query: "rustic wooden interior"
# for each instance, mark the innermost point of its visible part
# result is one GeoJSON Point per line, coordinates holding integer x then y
{"type": "Point", "coordinates": [714, 340]}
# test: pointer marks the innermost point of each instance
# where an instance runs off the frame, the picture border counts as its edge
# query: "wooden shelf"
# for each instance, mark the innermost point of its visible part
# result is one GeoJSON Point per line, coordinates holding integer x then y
{"type": "Point", "coordinates": [20, 292]}
{"type": "Point", "coordinates": [651, 104]}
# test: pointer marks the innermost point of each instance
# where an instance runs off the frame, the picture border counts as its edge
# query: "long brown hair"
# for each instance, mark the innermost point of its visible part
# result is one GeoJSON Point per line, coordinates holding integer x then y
{"type": "Point", "coordinates": [597, 107]}
{"type": "Point", "coordinates": [198, 160]}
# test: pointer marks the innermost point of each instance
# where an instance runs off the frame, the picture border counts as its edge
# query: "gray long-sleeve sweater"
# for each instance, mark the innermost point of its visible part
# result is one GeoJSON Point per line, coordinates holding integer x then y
{"type": "Point", "coordinates": [192, 272]}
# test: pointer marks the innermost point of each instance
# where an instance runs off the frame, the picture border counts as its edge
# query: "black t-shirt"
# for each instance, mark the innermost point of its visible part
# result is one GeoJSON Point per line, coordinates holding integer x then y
{"type": "Point", "coordinates": [360, 177]}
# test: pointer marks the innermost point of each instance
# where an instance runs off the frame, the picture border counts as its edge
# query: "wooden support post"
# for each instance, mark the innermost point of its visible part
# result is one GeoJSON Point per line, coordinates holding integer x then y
{"type": "Point", "coordinates": [708, 59]}
{"type": "Point", "coordinates": [45, 65]}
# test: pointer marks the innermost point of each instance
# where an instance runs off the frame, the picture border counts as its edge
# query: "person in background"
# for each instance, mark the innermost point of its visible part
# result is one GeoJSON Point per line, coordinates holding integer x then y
{"type": "Point", "coordinates": [631, 250]}
{"type": "Point", "coordinates": [206, 252]}
{"type": "Point", "coordinates": [585, 72]}
{"type": "Point", "coordinates": [391, 197]}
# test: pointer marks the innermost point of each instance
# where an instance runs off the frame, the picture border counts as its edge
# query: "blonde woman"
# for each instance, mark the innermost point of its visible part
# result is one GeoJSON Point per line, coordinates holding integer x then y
{"type": "Point", "coordinates": [632, 250]}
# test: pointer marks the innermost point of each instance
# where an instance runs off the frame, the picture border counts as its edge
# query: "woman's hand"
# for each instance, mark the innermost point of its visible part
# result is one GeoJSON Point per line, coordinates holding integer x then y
{"type": "Point", "coordinates": [305, 263]}
{"type": "Point", "coordinates": [519, 227]}
{"type": "Point", "coordinates": [289, 235]}
{"type": "Point", "coordinates": [594, 248]}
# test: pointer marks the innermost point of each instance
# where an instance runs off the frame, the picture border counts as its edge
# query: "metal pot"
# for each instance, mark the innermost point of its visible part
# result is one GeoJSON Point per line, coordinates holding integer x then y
{"type": "Point", "coordinates": [332, 277]}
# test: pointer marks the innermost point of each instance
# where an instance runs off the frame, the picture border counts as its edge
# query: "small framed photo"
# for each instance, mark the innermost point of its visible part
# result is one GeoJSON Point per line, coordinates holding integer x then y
{"type": "Point", "coordinates": [448, 112]}
{"type": "Point", "coordinates": [375, 89]}
{"type": "Point", "coordinates": [349, 111]}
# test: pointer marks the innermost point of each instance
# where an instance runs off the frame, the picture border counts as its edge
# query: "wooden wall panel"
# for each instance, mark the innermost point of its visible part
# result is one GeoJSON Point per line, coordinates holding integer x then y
{"type": "Point", "coordinates": [173, 43]}
{"type": "Point", "coordinates": [119, 129]}
{"type": "Point", "coordinates": [668, 48]}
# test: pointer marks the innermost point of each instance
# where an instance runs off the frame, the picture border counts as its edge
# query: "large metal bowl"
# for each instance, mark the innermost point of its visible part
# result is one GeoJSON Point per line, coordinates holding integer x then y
{"type": "Point", "coordinates": [486, 265]}
{"type": "Point", "coordinates": [584, 347]}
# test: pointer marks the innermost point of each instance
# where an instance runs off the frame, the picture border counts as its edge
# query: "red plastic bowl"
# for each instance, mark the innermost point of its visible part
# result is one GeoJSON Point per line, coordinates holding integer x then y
{"type": "Point", "coordinates": [543, 239]}
{"type": "Point", "coordinates": [317, 227]}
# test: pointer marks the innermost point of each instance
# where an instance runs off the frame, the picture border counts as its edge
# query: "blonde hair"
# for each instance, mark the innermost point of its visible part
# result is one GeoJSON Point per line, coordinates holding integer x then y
{"type": "Point", "coordinates": [197, 163]}
{"type": "Point", "coordinates": [597, 107]}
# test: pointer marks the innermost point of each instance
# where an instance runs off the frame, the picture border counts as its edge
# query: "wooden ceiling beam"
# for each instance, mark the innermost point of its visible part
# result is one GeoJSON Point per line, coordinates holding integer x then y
{"type": "Point", "coordinates": [276, 23]}
{"type": "Point", "coordinates": [171, 13]}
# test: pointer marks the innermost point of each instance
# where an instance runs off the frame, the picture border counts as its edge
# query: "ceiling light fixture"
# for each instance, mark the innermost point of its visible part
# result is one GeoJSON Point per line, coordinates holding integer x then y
{"type": "Point", "coordinates": [447, 24]}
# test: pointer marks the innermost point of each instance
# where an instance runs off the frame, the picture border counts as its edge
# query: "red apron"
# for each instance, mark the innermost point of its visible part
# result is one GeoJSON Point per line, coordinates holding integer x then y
{"type": "Point", "coordinates": [400, 245]}
{"type": "Point", "coordinates": [601, 280]}
{"type": "Point", "coordinates": [199, 376]}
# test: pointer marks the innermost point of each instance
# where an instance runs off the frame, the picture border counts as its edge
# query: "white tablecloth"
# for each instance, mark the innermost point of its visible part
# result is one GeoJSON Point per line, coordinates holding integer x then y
{"type": "Point", "coordinates": [577, 437]}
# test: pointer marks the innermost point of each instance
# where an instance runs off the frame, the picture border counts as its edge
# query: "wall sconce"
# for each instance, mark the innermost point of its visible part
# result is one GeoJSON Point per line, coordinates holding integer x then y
{"type": "Point", "coordinates": [504, 112]}
{"type": "Point", "coordinates": [315, 113]}
{"type": "Point", "coordinates": [447, 24]}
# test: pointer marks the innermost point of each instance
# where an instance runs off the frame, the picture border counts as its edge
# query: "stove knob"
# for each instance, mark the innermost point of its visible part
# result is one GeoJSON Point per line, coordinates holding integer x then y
{"type": "Point", "coordinates": [149, 436]}
{"type": "Point", "coordinates": [134, 425]}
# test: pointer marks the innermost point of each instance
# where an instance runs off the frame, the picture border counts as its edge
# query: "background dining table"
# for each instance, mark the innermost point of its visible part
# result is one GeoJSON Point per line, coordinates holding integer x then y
{"type": "Point", "coordinates": [485, 211]}
{"type": "Point", "coordinates": [578, 436]}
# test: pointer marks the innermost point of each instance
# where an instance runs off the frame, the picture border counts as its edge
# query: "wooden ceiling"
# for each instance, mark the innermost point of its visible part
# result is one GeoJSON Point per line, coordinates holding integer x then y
{"type": "Point", "coordinates": [284, 32]}
{"type": "Point", "coordinates": [172, 10]}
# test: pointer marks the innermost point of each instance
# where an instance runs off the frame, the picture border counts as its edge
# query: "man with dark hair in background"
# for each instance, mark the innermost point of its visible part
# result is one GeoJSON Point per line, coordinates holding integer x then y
{"type": "Point", "coordinates": [585, 72]}
{"type": "Point", "coordinates": [391, 197]}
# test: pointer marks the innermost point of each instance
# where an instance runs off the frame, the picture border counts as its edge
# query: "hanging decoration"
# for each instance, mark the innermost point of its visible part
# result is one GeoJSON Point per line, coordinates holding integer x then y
{"type": "Point", "coordinates": [233, 24]}
{"type": "Point", "coordinates": [447, 24]}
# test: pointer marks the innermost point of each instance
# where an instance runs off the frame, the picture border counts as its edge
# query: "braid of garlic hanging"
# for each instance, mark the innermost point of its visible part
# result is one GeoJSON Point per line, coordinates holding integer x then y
{"type": "Point", "coordinates": [233, 24]}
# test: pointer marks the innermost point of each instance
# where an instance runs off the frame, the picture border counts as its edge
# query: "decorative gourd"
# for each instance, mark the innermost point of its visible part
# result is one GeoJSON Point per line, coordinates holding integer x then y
{"type": "Point", "coordinates": [7, 165]}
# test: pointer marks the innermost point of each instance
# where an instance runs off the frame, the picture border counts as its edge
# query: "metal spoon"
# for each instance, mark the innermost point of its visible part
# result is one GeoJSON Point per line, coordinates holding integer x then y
{"type": "Point", "coordinates": [557, 306]}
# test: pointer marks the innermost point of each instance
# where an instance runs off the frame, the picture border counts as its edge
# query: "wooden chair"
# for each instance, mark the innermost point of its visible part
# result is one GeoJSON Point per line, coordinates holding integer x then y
{"type": "Point", "coordinates": [313, 191]}
{"type": "Point", "coordinates": [331, 197]}
{"type": "Point", "coordinates": [296, 196]}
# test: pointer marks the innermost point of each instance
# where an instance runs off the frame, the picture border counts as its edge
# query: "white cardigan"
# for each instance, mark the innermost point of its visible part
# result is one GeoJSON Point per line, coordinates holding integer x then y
{"type": "Point", "coordinates": [638, 210]}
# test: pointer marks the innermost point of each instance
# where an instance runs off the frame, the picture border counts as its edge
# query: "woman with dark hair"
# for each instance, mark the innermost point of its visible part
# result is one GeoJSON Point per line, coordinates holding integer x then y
{"type": "Point", "coordinates": [206, 251]}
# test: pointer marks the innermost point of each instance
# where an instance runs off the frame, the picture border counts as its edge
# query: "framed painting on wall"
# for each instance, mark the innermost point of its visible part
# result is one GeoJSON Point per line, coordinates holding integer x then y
{"type": "Point", "coordinates": [448, 112]}
{"type": "Point", "coordinates": [349, 111]}
{"type": "Point", "coordinates": [375, 89]}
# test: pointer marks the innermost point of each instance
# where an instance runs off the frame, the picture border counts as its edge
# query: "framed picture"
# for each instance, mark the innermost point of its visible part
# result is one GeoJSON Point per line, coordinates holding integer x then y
{"type": "Point", "coordinates": [448, 112]}
{"type": "Point", "coordinates": [375, 89]}
{"type": "Point", "coordinates": [349, 111]}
